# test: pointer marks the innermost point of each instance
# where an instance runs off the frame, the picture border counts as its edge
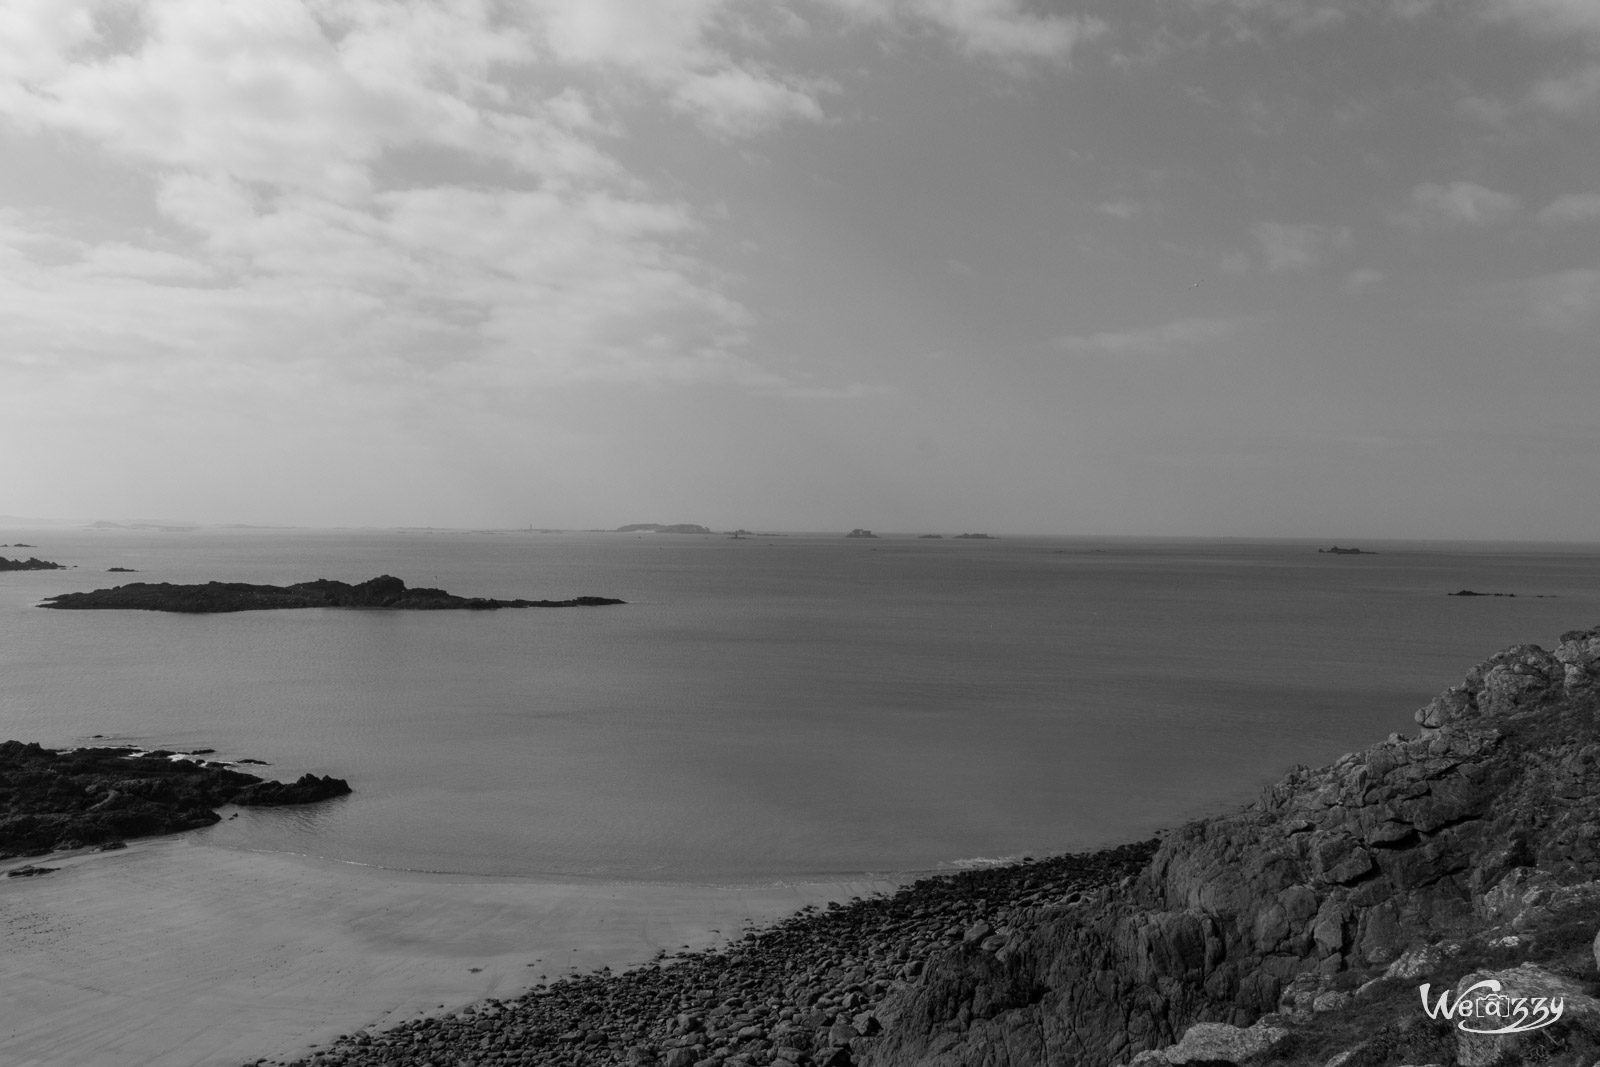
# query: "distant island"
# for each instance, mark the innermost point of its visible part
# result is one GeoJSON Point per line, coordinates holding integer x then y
{"type": "Point", "coordinates": [1474, 592]}
{"type": "Point", "coordinates": [1337, 551]}
{"type": "Point", "coordinates": [976, 537]}
{"type": "Point", "coordinates": [930, 537]}
{"type": "Point", "coordinates": [30, 564]}
{"type": "Point", "coordinates": [656, 527]}
{"type": "Point", "coordinates": [385, 591]}
{"type": "Point", "coordinates": [858, 532]}
{"type": "Point", "coordinates": [98, 796]}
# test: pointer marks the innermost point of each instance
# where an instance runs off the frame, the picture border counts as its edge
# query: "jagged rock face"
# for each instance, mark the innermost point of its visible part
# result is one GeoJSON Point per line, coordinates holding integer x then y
{"type": "Point", "coordinates": [1338, 869]}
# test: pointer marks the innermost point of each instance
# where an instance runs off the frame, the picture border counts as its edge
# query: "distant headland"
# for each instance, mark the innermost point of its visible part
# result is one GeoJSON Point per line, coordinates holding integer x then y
{"type": "Point", "coordinates": [656, 527]}
{"type": "Point", "coordinates": [385, 591]}
{"type": "Point", "coordinates": [30, 564]}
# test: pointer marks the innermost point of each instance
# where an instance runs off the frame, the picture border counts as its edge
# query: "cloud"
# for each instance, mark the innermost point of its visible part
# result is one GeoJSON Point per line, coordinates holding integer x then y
{"type": "Point", "coordinates": [1567, 302]}
{"type": "Point", "coordinates": [1172, 338]}
{"type": "Point", "coordinates": [1120, 209]}
{"type": "Point", "coordinates": [999, 30]}
{"type": "Point", "coordinates": [1458, 204]}
{"type": "Point", "coordinates": [1555, 19]}
{"type": "Point", "coordinates": [1297, 17]}
{"type": "Point", "coordinates": [293, 229]}
{"type": "Point", "coordinates": [738, 102]}
{"type": "Point", "coordinates": [1574, 208]}
{"type": "Point", "coordinates": [1569, 95]}
{"type": "Point", "coordinates": [1286, 247]}
{"type": "Point", "coordinates": [1361, 279]}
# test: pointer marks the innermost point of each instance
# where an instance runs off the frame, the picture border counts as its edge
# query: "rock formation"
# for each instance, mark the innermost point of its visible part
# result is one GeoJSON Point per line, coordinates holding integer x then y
{"type": "Point", "coordinates": [382, 592]}
{"type": "Point", "coordinates": [53, 800]}
{"type": "Point", "coordinates": [30, 564]}
{"type": "Point", "coordinates": [1478, 840]}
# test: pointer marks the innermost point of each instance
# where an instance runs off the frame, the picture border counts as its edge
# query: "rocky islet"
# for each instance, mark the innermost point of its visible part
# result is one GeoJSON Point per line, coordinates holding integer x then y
{"type": "Point", "coordinates": [385, 591]}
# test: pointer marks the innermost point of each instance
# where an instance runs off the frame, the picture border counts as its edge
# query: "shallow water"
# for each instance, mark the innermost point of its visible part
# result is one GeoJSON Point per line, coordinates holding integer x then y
{"type": "Point", "coordinates": [764, 708]}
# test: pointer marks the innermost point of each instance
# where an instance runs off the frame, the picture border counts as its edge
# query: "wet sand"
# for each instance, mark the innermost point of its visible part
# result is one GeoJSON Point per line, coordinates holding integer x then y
{"type": "Point", "coordinates": [177, 953]}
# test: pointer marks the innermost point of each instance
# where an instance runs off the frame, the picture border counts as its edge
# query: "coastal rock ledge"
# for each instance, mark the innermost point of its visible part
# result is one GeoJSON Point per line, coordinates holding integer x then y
{"type": "Point", "coordinates": [1294, 931]}
{"type": "Point", "coordinates": [385, 591]}
{"type": "Point", "coordinates": [52, 801]}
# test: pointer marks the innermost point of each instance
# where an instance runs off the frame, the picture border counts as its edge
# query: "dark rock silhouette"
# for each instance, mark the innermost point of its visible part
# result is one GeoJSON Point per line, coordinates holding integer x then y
{"type": "Point", "coordinates": [385, 591]}
{"type": "Point", "coordinates": [30, 564]}
{"type": "Point", "coordinates": [97, 796]}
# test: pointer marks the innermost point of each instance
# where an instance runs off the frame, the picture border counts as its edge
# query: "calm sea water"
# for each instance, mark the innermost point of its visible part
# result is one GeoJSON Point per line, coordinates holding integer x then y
{"type": "Point", "coordinates": [769, 707]}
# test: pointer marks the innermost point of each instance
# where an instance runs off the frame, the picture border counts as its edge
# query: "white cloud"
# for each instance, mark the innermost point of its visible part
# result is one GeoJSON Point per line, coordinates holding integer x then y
{"type": "Point", "coordinates": [1458, 204]}
{"type": "Point", "coordinates": [1413, 10]}
{"type": "Point", "coordinates": [1361, 279]}
{"type": "Point", "coordinates": [738, 102]}
{"type": "Point", "coordinates": [1119, 209]}
{"type": "Point", "coordinates": [994, 29]}
{"type": "Point", "coordinates": [1295, 16]}
{"type": "Point", "coordinates": [1571, 94]}
{"type": "Point", "coordinates": [1171, 338]}
{"type": "Point", "coordinates": [1567, 302]}
{"type": "Point", "coordinates": [1557, 19]}
{"type": "Point", "coordinates": [1286, 247]}
{"type": "Point", "coordinates": [1574, 208]}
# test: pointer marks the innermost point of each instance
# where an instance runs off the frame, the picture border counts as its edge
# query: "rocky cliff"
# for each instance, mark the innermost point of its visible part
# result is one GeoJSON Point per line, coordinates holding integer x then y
{"type": "Point", "coordinates": [1299, 929]}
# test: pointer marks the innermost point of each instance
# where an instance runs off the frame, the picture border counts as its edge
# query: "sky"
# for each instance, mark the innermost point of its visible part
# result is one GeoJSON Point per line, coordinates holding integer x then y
{"type": "Point", "coordinates": [1146, 267]}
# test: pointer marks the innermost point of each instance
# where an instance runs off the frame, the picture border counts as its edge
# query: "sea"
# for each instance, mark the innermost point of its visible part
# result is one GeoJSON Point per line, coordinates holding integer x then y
{"type": "Point", "coordinates": [763, 708]}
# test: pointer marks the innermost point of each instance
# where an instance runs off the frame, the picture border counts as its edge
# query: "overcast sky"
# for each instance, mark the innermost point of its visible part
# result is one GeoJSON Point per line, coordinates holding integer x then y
{"type": "Point", "coordinates": [1237, 267]}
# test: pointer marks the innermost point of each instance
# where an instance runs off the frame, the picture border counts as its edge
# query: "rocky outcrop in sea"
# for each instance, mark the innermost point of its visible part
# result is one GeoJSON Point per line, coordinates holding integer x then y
{"type": "Point", "coordinates": [32, 563]}
{"type": "Point", "coordinates": [52, 801]}
{"type": "Point", "coordinates": [384, 591]}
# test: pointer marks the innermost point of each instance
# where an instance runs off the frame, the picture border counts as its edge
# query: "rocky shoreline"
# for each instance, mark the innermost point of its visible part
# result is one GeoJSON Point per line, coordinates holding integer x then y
{"type": "Point", "coordinates": [1294, 931]}
{"type": "Point", "coordinates": [385, 591]}
{"type": "Point", "coordinates": [805, 991]}
{"type": "Point", "coordinates": [54, 801]}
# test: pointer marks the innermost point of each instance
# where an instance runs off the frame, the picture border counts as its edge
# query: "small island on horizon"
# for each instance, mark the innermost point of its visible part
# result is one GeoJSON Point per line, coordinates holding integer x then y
{"type": "Point", "coordinates": [385, 591]}
{"type": "Point", "coordinates": [667, 528]}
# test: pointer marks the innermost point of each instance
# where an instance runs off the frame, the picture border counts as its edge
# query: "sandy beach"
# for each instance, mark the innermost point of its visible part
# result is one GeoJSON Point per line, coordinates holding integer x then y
{"type": "Point", "coordinates": [176, 953]}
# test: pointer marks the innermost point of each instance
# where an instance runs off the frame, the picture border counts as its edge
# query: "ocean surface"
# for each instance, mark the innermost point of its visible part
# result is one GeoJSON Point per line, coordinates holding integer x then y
{"type": "Point", "coordinates": [766, 708]}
